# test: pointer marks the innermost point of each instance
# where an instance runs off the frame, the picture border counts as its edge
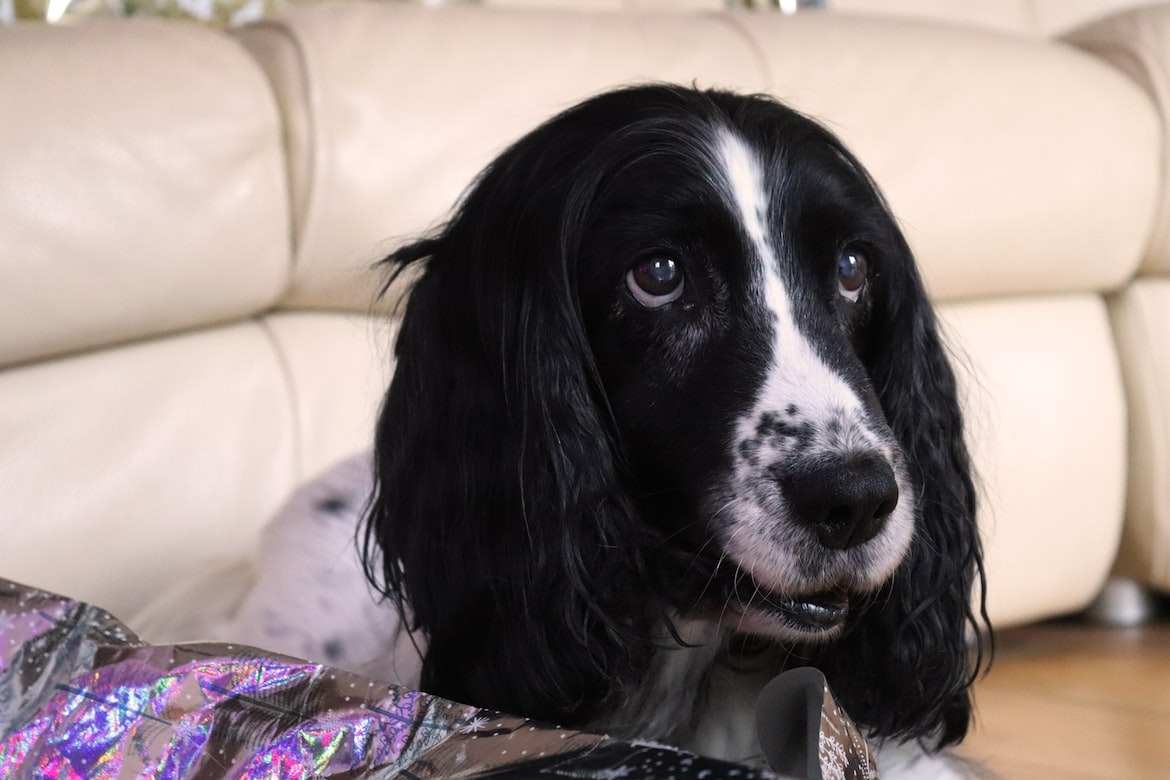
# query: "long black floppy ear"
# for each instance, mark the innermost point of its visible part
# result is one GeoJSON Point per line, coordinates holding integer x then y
{"type": "Point", "coordinates": [904, 669]}
{"type": "Point", "coordinates": [499, 520]}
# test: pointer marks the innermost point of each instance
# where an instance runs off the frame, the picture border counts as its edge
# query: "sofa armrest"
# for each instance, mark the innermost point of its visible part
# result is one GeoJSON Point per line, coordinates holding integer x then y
{"type": "Point", "coordinates": [1138, 43]}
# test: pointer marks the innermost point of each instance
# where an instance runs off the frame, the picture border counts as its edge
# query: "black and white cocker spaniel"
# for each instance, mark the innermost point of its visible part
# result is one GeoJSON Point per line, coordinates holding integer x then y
{"type": "Point", "coordinates": [670, 408]}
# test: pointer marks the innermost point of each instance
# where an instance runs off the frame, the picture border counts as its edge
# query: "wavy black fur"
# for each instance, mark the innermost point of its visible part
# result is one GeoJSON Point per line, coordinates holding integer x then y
{"type": "Point", "coordinates": [544, 447]}
{"type": "Point", "coordinates": [907, 662]}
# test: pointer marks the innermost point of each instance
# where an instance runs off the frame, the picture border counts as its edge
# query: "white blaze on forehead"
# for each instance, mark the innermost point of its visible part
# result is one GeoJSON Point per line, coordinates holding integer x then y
{"type": "Point", "coordinates": [797, 377]}
{"type": "Point", "coordinates": [745, 179]}
{"type": "Point", "coordinates": [747, 188]}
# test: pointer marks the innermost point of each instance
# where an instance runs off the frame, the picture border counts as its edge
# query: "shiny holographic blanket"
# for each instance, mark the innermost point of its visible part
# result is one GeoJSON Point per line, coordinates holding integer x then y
{"type": "Point", "coordinates": [82, 697]}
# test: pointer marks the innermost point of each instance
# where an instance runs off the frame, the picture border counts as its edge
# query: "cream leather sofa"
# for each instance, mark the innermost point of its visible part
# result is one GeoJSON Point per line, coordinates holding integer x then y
{"type": "Point", "coordinates": [187, 219]}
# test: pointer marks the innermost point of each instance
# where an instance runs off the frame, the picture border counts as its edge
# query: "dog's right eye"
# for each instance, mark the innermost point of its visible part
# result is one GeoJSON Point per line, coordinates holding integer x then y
{"type": "Point", "coordinates": [655, 281]}
{"type": "Point", "coordinates": [852, 269]}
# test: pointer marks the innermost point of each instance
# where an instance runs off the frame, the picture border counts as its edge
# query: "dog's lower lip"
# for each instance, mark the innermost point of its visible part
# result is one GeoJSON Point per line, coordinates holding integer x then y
{"type": "Point", "coordinates": [817, 612]}
{"type": "Point", "coordinates": [820, 612]}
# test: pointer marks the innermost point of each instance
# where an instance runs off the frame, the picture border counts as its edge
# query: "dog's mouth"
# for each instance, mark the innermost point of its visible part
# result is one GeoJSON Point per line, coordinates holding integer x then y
{"type": "Point", "coordinates": [813, 614]}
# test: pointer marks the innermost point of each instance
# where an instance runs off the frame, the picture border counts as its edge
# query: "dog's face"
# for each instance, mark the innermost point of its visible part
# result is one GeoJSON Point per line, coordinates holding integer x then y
{"type": "Point", "coordinates": [729, 282]}
{"type": "Point", "coordinates": [671, 355]}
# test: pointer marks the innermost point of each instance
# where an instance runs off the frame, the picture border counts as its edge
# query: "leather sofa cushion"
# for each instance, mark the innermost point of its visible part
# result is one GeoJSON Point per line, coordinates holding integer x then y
{"type": "Point", "coordinates": [1045, 413]}
{"type": "Point", "coordinates": [132, 468]}
{"type": "Point", "coordinates": [982, 142]}
{"type": "Point", "coordinates": [144, 186]}
{"type": "Point", "coordinates": [394, 109]}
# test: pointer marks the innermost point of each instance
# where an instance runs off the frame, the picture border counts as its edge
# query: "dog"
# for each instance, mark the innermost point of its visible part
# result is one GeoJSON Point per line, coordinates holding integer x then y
{"type": "Point", "coordinates": [671, 413]}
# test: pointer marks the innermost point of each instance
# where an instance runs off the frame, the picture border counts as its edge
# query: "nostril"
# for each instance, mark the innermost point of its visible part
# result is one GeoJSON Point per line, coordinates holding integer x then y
{"type": "Point", "coordinates": [846, 501]}
{"type": "Point", "coordinates": [837, 527]}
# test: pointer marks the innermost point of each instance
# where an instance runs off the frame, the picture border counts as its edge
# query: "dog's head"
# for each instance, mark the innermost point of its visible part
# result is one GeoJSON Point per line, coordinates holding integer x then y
{"type": "Point", "coordinates": [672, 357]}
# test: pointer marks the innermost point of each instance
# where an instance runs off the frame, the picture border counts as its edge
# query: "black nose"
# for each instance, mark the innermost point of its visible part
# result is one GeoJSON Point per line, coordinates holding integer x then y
{"type": "Point", "coordinates": [846, 500]}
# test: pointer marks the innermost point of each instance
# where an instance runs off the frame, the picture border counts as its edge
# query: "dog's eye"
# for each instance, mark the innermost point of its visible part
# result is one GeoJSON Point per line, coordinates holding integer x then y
{"type": "Point", "coordinates": [656, 281]}
{"type": "Point", "coordinates": [852, 268]}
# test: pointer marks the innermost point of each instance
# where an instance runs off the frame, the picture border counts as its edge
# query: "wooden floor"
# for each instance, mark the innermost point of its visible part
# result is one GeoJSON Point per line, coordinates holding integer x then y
{"type": "Point", "coordinates": [1072, 700]}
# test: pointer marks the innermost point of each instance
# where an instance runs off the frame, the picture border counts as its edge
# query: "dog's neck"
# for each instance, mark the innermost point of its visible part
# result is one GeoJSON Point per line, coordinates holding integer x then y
{"type": "Point", "coordinates": [665, 705]}
{"type": "Point", "coordinates": [693, 697]}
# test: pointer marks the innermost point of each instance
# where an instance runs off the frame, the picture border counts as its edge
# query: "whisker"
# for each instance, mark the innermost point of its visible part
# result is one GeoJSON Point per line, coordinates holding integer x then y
{"type": "Point", "coordinates": [711, 579]}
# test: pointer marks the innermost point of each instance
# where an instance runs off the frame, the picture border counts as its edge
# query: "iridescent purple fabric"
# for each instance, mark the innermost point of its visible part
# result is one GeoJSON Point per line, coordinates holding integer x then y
{"type": "Point", "coordinates": [82, 697]}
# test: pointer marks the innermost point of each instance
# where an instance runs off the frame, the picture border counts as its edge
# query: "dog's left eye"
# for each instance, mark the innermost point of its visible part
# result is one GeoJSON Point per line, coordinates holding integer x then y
{"type": "Point", "coordinates": [655, 281]}
{"type": "Point", "coordinates": [852, 268]}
